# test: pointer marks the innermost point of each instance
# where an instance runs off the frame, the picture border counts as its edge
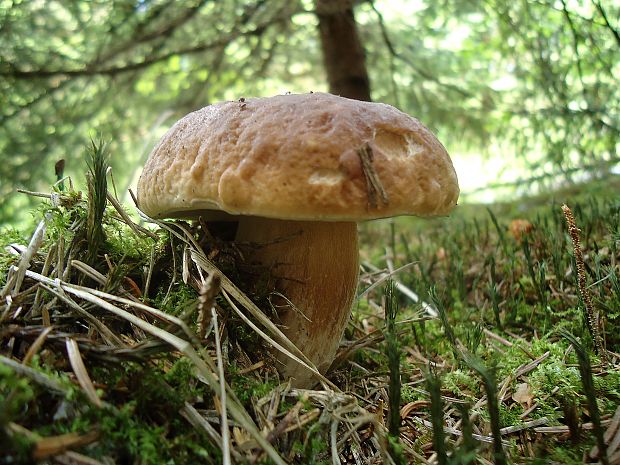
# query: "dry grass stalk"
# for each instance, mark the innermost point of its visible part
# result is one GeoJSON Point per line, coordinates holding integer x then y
{"type": "Point", "coordinates": [562, 429]}
{"type": "Point", "coordinates": [523, 426]}
{"type": "Point", "coordinates": [77, 363]}
{"type": "Point", "coordinates": [592, 317]}
{"type": "Point", "coordinates": [222, 379]}
{"type": "Point", "coordinates": [14, 285]}
{"type": "Point", "coordinates": [206, 299]}
{"type": "Point", "coordinates": [51, 256]}
{"type": "Point", "coordinates": [136, 228]}
{"type": "Point", "coordinates": [203, 363]}
{"type": "Point", "coordinates": [36, 345]}
{"type": "Point", "coordinates": [106, 333]}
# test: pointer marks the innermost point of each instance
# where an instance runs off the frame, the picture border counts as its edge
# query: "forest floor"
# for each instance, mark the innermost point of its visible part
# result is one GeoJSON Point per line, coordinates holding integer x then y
{"type": "Point", "coordinates": [510, 354]}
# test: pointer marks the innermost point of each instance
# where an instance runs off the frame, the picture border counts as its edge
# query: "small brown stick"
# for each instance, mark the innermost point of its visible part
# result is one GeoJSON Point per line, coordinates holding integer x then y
{"type": "Point", "coordinates": [303, 420]}
{"type": "Point", "coordinates": [373, 183]}
{"type": "Point", "coordinates": [62, 199]}
{"type": "Point", "coordinates": [526, 368]}
{"type": "Point", "coordinates": [251, 368]}
{"type": "Point", "coordinates": [292, 416]}
{"type": "Point", "coordinates": [562, 429]}
{"type": "Point", "coordinates": [53, 445]}
{"type": "Point", "coordinates": [206, 300]}
{"type": "Point", "coordinates": [526, 425]}
{"type": "Point", "coordinates": [591, 317]}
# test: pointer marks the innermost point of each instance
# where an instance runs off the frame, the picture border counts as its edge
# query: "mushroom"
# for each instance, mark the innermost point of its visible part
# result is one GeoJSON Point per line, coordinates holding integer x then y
{"type": "Point", "coordinates": [297, 172]}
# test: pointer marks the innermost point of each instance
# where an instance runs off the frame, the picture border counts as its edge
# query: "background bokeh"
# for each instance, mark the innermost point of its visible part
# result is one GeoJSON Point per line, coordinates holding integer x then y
{"type": "Point", "coordinates": [524, 95]}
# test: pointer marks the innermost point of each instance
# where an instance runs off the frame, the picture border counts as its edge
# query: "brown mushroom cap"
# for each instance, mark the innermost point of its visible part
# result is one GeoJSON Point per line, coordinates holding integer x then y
{"type": "Point", "coordinates": [299, 157]}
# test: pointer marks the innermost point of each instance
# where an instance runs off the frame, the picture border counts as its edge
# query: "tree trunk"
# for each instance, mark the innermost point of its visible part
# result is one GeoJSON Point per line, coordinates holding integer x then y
{"type": "Point", "coordinates": [343, 54]}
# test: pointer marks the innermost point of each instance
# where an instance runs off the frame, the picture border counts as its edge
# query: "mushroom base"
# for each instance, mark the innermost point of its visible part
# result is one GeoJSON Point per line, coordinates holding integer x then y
{"type": "Point", "coordinates": [315, 265]}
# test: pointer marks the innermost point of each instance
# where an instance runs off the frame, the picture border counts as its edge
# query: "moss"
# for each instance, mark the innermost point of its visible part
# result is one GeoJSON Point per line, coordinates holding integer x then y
{"type": "Point", "coordinates": [247, 387]}
{"type": "Point", "coordinates": [607, 386]}
{"type": "Point", "coordinates": [514, 357]}
{"type": "Point", "coordinates": [178, 300]}
{"type": "Point", "coordinates": [509, 416]}
{"type": "Point", "coordinates": [127, 438]}
{"type": "Point", "coordinates": [567, 455]}
{"type": "Point", "coordinates": [122, 244]}
{"type": "Point", "coordinates": [15, 394]}
{"type": "Point", "coordinates": [409, 394]}
{"type": "Point", "coordinates": [63, 221]}
{"type": "Point", "coordinates": [554, 373]}
{"type": "Point", "coordinates": [462, 383]}
{"type": "Point", "coordinates": [313, 451]}
{"type": "Point", "coordinates": [146, 417]}
{"type": "Point", "coordinates": [182, 379]}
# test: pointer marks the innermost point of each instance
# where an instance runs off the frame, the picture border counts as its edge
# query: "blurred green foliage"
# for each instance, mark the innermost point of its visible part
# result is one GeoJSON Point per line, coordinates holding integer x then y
{"type": "Point", "coordinates": [534, 80]}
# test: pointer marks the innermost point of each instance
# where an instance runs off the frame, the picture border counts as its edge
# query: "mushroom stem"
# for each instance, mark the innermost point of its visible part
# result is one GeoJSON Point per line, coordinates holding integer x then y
{"type": "Point", "coordinates": [315, 265]}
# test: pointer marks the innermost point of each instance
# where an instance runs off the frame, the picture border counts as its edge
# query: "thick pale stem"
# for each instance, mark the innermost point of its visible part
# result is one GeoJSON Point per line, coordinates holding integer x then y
{"type": "Point", "coordinates": [316, 268]}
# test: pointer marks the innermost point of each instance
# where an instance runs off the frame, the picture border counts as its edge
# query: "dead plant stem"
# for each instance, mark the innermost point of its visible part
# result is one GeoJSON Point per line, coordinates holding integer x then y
{"type": "Point", "coordinates": [592, 317]}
